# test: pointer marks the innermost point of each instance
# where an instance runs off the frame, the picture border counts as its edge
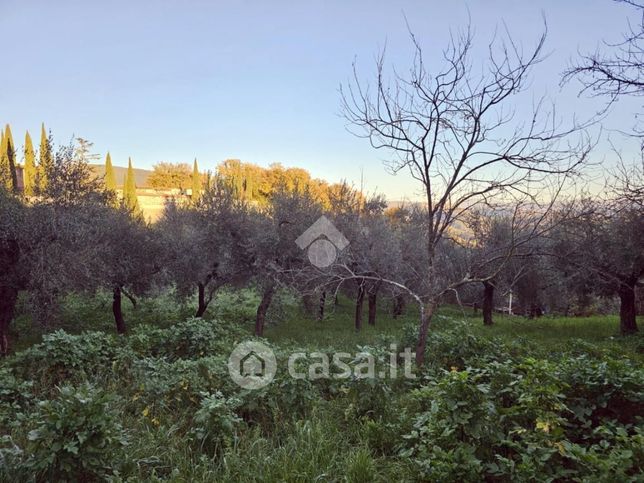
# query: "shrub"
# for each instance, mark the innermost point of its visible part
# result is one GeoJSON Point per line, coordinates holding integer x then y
{"type": "Point", "coordinates": [15, 396]}
{"type": "Point", "coordinates": [192, 339]}
{"type": "Point", "coordinates": [76, 436]}
{"type": "Point", "coordinates": [215, 422]}
{"type": "Point", "coordinates": [283, 399]}
{"type": "Point", "coordinates": [62, 356]}
{"type": "Point", "coordinates": [163, 385]}
{"type": "Point", "coordinates": [456, 346]}
{"type": "Point", "coordinates": [618, 454]}
{"type": "Point", "coordinates": [455, 410]}
{"type": "Point", "coordinates": [602, 389]}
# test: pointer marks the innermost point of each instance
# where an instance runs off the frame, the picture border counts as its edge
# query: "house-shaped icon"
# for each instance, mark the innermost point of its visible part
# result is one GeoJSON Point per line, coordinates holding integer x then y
{"type": "Point", "coordinates": [252, 365]}
{"type": "Point", "coordinates": [322, 226]}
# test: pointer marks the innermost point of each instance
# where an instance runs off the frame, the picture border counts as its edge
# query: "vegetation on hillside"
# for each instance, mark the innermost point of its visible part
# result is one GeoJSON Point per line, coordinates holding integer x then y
{"type": "Point", "coordinates": [160, 405]}
{"type": "Point", "coordinates": [115, 333]}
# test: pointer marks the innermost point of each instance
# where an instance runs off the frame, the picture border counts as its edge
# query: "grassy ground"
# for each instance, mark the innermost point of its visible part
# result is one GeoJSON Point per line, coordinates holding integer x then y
{"type": "Point", "coordinates": [330, 430]}
{"type": "Point", "coordinates": [294, 327]}
{"type": "Point", "coordinates": [337, 328]}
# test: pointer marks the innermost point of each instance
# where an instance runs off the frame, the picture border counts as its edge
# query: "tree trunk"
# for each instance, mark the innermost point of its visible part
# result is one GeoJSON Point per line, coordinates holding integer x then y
{"type": "Point", "coordinates": [8, 298]}
{"type": "Point", "coordinates": [399, 305]}
{"type": "Point", "coordinates": [202, 305]}
{"type": "Point", "coordinates": [627, 312]}
{"type": "Point", "coordinates": [265, 303]}
{"type": "Point", "coordinates": [359, 301]}
{"type": "Point", "coordinates": [426, 313]}
{"type": "Point", "coordinates": [373, 306]}
{"type": "Point", "coordinates": [309, 305]}
{"type": "Point", "coordinates": [9, 259]}
{"type": "Point", "coordinates": [116, 310]}
{"type": "Point", "coordinates": [322, 304]}
{"type": "Point", "coordinates": [488, 303]}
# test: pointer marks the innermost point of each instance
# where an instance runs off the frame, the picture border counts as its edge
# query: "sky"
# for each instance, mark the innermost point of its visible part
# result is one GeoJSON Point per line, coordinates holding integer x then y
{"type": "Point", "coordinates": [257, 80]}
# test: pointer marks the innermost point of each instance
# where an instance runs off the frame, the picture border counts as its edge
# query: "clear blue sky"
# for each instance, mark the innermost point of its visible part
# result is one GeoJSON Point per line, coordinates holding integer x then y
{"type": "Point", "coordinates": [255, 80]}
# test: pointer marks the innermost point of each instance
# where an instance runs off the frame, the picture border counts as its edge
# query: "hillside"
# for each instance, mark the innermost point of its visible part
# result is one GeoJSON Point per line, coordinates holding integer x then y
{"type": "Point", "coordinates": [141, 175]}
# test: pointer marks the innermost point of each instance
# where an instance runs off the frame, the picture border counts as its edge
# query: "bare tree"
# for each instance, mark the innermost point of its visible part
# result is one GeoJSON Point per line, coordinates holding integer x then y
{"type": "Point", "coordinates": [457, 134]}
{"type": "Point", "coordinates": [627, 183]}
{"type": "Point", "coordinates": [611, 239]}
{"type": "Point", "coordinates": [618, 72]}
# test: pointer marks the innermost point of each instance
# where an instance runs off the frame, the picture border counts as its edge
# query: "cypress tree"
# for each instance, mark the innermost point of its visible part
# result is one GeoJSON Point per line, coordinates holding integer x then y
{"type": "Point", "coordinates": [29, 173]}
{"type": "Point", "coordinates": [130, 200]}
{"type": "Point", "coordinates": [196, 182]}
{"type": "Point", "coordinates": [45, 163]}
{"type": "Point", "coordinates": [8, 176]}
{"type": "Point", "coordinates": [5, 172]}
{"type": "Point", "coordinates": [208, 179]}
{"type": "Point", "coordinates": [110, 178]}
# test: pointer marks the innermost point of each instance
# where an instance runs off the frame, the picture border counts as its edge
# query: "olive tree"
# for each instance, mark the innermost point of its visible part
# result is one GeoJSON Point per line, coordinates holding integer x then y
{"type": "Point", "coordinates": [276, 258]}
{"type": "Point", "coordinates": [454, 130]}
{"type": "Point", "coordinates": [206, 243]}
{"type": "Point", "coordinates": [605, 245]}
{"type": "Point", "coordinates": [50, 245]}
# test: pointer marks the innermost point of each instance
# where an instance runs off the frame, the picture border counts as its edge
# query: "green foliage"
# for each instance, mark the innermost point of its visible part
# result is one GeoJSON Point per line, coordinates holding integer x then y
{"type": "Point", "coordinates": [16, 395]}
{"type": "Point", "coordinates": [215, 421]}
{"type": "Point", "coordinates": [285, 398]}
{"type": "Point", "coordinates": [524, 420]}
{"type": "Point", "coordinates": [455, 346]}
{"type": "Point", "coordinates": [361, 467]}
{"type": "Point", "coordinates": [484, 408]}
{"type": "Point", "coordinates": [76, 436]}
{"type": "Point", "coordinates": [62, 357]}
{"type": "Point", "coordinates": [167, 387]}
{"type": "Point", "coordinates": [602, 389]}
{"type": "Point", "coordinates": [193, 338]}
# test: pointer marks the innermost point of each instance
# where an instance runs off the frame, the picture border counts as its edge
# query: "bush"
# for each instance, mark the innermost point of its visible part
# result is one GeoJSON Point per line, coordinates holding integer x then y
{"type": "Point", "coordinates": [62, 356]}
{"type": "Point", "coordinates": [455, 346]}
{"type": "Point", "coordinates": [215, 422]}
{"type": "Point", "coordinates": [15, 397]}
{"type": "Point", "coordinates": [192, 339]}
{"type": "Point", "coordinates": [454, 413]}
{"type": "Point", "coordinates": [283, 399]}
{"type": "Point", "coordinates": [161, 385]}
{"type": "Point", "coordinates": [76, 436]}
{"type": "Point", "coordinates": [601, 389]}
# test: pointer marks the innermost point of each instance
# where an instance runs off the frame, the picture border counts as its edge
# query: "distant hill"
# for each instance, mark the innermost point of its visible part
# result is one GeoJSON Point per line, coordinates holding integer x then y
{"type": "Point", "coordinates": [140, 175]}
